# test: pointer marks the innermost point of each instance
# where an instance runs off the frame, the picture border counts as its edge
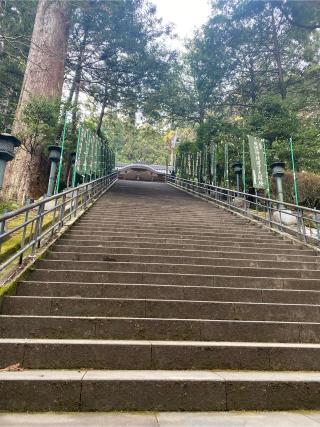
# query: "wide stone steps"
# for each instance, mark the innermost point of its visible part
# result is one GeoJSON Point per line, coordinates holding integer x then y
{"type": "Point", "coordinates": [19, 326]}
{"type": "Point", "coordinates": [160, 390]}
{"type": "Point", "coordinates": [191, 260]}
{"type": "Point", "coordinates": [160, 232]}
{"type": "Point", "coordinates": [42, 275]}
{"type": "Point", "coordinates": [214, 253]}
{"type": "Point", "coordinates": [218, 246]}
{"type": "Point", "coordinates": [155, 300]}
{"type": "Point", "coordinates": [157, 355]}
{"type": "Point", "coordinates": [170, 236]}
{"type": "Point", "coordinates": [95, 267]}
{"type": "Point", "coordinates": [245, 241]}
{"type": "Point", "coordinates": [165, 228]}
{"type": "Point", "coordinates": [173, 292]}
{"type": "Point", "coordinates": [150, 308]}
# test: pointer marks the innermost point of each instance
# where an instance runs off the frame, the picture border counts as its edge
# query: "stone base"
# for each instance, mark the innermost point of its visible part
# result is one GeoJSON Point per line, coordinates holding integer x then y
{"type": "Point", "coordinates": [285, 217]}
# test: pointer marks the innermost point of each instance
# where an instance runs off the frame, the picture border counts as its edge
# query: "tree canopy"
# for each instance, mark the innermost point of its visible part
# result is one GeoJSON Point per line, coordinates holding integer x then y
{"type": "Point", "coordinates": [253, 67]}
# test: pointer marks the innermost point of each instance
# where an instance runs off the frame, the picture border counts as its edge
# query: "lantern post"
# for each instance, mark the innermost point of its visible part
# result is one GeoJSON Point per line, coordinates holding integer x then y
{"type": "Point", "coordinates": [54, 156]}
{"type": "Point", "coordinates": [237, 168]}
{"type": "Point", "coordinates": [278, 172]}
{"type": "Point", "coordinates": [7, 145]}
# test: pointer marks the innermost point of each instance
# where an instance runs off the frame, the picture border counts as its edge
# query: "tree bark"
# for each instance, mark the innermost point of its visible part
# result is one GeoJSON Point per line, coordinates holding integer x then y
{"type": "Point", "coordinates": [77, 80]}
{"type": "Point", "coordinates": [278, 58]}
{"type": "Point", "coordinates": [103, 107]}
{"type": "Point", "coordinates": [26, 175]}
{"type": "Point", "coordinates": [253, 84]}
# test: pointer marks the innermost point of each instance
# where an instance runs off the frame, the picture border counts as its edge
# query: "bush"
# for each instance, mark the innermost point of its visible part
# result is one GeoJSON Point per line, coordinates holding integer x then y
{"type": "Point", "coordinates": [308, 184]}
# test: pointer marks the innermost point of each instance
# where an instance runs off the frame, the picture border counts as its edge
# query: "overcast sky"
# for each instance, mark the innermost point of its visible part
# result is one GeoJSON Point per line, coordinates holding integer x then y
{"type": "Point", "coordinates": [185, 14]}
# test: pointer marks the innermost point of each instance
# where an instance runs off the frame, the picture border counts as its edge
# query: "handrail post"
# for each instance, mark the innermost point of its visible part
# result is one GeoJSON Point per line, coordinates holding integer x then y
{"type": "Point", "coordinates": [37, 228]}
{"type": "Point", "coordinates": [269, 207]}
{"type": "Point", "coordinates": [2, 229]}
{"type": "Point", "coordinates": [316, 220]}
{"type": "Point", "coordinates": [23, 238]}
{"type": "Point", "coordinates": [76, 202]}
{"type": "Point", "coordinates": [303, 226]}
{"type": "Point", "coordinates": [62, 210]}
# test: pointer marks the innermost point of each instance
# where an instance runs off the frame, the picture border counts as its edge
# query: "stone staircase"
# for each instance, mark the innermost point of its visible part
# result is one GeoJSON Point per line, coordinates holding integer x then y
{"type": "Point", "coordinates": [155, 300]}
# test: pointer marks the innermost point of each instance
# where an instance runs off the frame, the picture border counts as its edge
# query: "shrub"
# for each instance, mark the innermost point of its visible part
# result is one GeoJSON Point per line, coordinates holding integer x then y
{"type": "Point", "coordinates": [308, 185]}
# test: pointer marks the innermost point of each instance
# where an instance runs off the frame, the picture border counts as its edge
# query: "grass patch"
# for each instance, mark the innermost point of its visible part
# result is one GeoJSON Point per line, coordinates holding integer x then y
{"type": "Point", "coordinates": [7, 206]}
{"type": "Point", "coordinates": [8, 289]}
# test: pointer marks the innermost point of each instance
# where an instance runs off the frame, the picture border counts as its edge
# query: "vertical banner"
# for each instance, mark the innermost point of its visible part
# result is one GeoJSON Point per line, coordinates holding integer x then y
{"type": "Point", "coordinates": [214, 163]}
{"type": "Point", "coordinates": [204, 169]}
{"type": "Point", "coordinates": [198, 166]}
{"type": "Point", "coordinates": [243, 167]}
{"type": "Point", "coordinates": [226, 164]}
{"type": "Point", "coordinates": [258, 163]}
{"type": "Point", "coordinates": [296, 196]}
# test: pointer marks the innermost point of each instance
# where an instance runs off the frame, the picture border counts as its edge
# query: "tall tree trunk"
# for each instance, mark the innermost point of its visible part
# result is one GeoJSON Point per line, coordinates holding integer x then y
{"type": "Point", "coordinates": [253, 83]}
{"type": "Point", "coordinates": [103, 107]}
{"type": "Point", "coordinates": [278, 57]}
{"type": "Point", "coordinates": [77, 79]}
{"type": "Point", "coordinates": [27, 174]}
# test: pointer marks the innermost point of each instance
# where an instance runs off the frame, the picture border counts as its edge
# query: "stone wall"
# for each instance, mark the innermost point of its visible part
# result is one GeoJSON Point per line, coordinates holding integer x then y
{"type": "Point", "coordinates": [141, 175]}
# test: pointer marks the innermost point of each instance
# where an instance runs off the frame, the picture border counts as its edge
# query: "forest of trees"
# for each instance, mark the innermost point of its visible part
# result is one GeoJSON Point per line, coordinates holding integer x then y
{"type": "Point", "coordinates": [252, 68]}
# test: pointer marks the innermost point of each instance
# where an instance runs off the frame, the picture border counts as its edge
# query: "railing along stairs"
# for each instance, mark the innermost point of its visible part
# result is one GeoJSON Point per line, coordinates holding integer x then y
{"type": "Point", "coordinates": [298, 221]}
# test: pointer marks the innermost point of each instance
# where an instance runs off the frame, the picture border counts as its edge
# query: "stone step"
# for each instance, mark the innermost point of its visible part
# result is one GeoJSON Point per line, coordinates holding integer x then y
{"type": "Point", "coordinates": [190, 244]}
{"type": "Point", "coordinates": [115, 328]}
{"type": "Point", "coordinates": [156, 355]}
{"type": "Point", "coordinates": [152, 239]}
{"type": "Point", "coordinates": [155, 300]}
{"type": "Point", "coordinates": [158, 390]}
{"type": "Point", "coordinates": [149, 216]}
{"type": "Point", "coordinates": [176, 226]}
{"type": "Point", "coordinates": [192, 218]}
{"type": "Point", "coordinates": [199, 237]}
{"type": "Point", "coordinates": [197, 293]}
{"type": "Point", "coordinates": [107, 266]}
{"type": "Point", "coordinates": [243, 262]}
{"type": "Point", "coordinates": [157, 308]}
{"type": "Point", "coordinates": [42, 275]}
{"type": "Point", "coordinates": [123, 212]}
{"type": "Point", "coordinates": [229, 252]}
{"type": "Point", "coordinates": [163, 227]}
{"type": "Point", "coordinates": [159, 232]}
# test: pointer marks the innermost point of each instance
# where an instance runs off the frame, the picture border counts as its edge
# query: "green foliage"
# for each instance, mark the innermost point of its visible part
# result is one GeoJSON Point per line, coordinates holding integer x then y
{"type": "Point", "coordinates": [273, 120]}
{"type": "Point", "coordinates": [40, 120]}
{"type": "Point", "coordinates": [117, 53]}
{"type": "Point", "coordinates": [132, 143]}
{"type": "Point", "coordinates": [254, 69]}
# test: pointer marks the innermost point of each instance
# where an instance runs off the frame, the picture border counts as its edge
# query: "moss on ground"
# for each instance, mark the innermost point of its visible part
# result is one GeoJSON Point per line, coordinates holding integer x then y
{"type": "Point", "coordinates": [7, 206]}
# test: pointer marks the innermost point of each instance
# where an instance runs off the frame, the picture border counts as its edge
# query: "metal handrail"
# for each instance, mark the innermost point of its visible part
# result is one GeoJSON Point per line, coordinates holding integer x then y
{"type": "Point", "coordinates": [68, 204]}
{"type": "Point", "coordinates": [298, 221]}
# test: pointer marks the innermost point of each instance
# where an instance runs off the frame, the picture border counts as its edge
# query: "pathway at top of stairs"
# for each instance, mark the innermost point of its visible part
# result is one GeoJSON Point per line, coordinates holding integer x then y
{"type": "Point", "coordinates": [164, 419]}
{"type": "Point", "coordinates": [157, 301]}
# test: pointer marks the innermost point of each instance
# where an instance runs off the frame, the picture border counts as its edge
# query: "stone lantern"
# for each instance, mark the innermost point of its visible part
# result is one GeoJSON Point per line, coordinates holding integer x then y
{"type": "Point", "coordinates": [54, 156]}
{"type": "Point", "coordinates": [237, 168]}
{"type": "Point", "coordinates": [73, 157]}
{"type": "Point", "coordinates": [278, 172]}
{"type": "Point", "coordinates": [7, 145]}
